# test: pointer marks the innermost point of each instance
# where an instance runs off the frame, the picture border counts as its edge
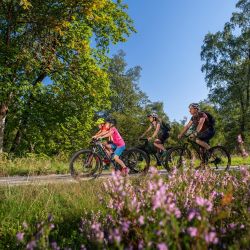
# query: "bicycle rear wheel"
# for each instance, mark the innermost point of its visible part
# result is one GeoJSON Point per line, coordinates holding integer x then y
{"type": "Point", "coordinates": [177, 157]}
{"type": "Point", "coordinates": [85, 163]}
{"type": "Point", "coordinates": [136, 160]}
{"type": "Point", "coordinates": [219, 158]}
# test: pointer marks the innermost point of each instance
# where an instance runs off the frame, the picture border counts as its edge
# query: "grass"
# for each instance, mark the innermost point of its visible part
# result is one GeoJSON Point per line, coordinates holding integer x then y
{"type": "Point", "coordinates": [44, 165]}
{"type": "Point", "coordinates": [68, 203]}
{"type": "Point", "coordinates": [32, 204]}
{"type": "Point", "coordinates": [33, 165]}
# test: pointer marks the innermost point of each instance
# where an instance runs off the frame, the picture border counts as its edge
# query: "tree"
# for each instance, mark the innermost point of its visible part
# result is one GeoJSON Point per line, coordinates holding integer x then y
{"type": "Point", "coordinates": [40, 39]}
{"type": "Point", "coordinates": [128, 102]}
{"type": "Point", "coordinates": [226, 57]}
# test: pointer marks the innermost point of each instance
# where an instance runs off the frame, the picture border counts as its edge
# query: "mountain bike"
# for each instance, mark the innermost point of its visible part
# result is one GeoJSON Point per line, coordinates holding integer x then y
{"type": "Point", "coordinates": [90, 162]}
{"type": "Point", "coordinates": [152, 153]}
{"type": "Point", "coordinates": [216, 157]}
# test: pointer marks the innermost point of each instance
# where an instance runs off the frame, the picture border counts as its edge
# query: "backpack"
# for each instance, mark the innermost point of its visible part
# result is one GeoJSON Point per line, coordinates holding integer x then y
{"type": "Point", "coordinates": [211, 120]}
{"type": "Point", "coordinates": [165, 126]}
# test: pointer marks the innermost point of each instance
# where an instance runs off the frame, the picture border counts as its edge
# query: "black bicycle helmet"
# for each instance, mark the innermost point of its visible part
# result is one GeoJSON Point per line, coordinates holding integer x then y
{"type": "Point", "coordinates": [112, 121]}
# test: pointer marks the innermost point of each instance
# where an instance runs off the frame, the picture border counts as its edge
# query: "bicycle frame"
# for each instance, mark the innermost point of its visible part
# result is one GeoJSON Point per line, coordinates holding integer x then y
{"type": "Point", "coordinates": [152, 152]}
{"type": "Point", "coordinates": [200, 151]}
{"type": "Point", "coordinates": [99, 149]}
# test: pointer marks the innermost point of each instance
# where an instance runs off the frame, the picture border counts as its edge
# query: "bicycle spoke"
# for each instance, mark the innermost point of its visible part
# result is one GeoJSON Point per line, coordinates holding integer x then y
{"type": "Point", "coordinates": [85, 163]}
{"type": "Point", "coordinates": [219, 158]}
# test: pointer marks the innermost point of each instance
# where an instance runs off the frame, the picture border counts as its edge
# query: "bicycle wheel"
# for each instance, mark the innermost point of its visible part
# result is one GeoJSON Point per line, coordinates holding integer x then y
{"type": "Point", "coordinates": [136, 160]}
{"type": "Point", "coordinates": [85, 163]}
{"type": "Point", "coordinates": [177, 157]}
{"type": "Point", "coordinates": [219, 158]}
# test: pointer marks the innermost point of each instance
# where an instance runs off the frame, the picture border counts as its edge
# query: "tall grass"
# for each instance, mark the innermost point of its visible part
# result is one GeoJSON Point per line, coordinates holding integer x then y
{"type": "Point", "coordinates": [31, 204]}
{"type": "Point", "coordinates": [34, 164]}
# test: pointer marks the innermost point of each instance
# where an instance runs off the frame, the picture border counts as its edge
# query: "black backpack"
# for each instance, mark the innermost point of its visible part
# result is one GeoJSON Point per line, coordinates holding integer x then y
{"type": "Point", "coordinates": [211, 120]}
{"type": "Point", "coordinates": [165, 126]}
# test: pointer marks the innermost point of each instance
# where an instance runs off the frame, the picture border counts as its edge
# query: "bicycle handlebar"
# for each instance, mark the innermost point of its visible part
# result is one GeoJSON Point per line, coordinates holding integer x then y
{"type": "Point", "coordinates": [143, 139]}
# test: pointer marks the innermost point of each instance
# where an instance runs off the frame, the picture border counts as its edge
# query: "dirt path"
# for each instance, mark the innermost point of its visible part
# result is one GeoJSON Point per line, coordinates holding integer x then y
{"type": "Point", "coordinates": [58, 178]}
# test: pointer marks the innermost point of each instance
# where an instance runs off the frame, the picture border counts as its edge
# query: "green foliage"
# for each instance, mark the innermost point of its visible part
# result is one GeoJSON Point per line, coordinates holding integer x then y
{"type": "Point", "coordinates": [226, 57]}
{"type": "Point", "coordinates": [53, 39]}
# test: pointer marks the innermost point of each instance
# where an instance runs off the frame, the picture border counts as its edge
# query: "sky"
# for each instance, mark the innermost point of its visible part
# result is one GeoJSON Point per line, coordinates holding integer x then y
{"type": "Point", "coordinates": [167, 46]}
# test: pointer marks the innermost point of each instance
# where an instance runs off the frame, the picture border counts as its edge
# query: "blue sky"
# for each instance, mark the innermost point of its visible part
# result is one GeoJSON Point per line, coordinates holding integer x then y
{"type": "Point", "coordinates": [168, 45]}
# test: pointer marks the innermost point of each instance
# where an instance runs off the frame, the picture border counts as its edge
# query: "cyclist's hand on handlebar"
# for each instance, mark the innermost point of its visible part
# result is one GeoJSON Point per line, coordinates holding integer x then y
{"type": "Point", "coordinates": [180, 136]}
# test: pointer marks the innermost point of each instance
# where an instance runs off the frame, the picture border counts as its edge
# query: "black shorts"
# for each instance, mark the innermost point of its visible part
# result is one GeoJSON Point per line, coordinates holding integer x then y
{"type": "Point", "coordinates": [206, 135]}
{"type": "Point", "coordinates": [163, 137]}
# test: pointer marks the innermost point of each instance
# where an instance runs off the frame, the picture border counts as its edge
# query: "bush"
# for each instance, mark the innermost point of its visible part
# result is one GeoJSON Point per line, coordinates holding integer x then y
{"type": "Point", "coordinates": [187, 210]}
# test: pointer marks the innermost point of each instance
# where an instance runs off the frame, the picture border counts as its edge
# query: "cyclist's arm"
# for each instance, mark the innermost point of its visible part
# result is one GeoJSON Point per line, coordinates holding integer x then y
{"type": "Point", "coordinates": [107, 134]}
{"type": "Point", "coordinates": [200, 125]}
{"type": "Point", "coordinates": [186, 128]}
{"type": "Point", "coordinates": [156, 130]}
{"type": "Point", "coordinates": [149, 128]}
{"type": "Point", "coordinates": [98, 133]}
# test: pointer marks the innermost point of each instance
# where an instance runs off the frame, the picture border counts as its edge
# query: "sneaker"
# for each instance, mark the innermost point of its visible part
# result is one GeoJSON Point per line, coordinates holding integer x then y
{"type": "Point", "coordinates": [124, 171]}
{"type": "Point", "coordinates": [106, 166]}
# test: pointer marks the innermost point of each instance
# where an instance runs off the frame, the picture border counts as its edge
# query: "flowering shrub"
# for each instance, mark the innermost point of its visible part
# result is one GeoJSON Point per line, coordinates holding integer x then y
{"type": "Point", "coordinates": [199, 209]}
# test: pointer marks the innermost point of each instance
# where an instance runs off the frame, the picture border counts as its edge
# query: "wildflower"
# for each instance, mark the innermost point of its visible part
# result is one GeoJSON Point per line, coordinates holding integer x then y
{"type": "Point", "coordinates": [153, 171]}
{"type": "Point", "coordinates": [20, 236]}
{"type": "Point", "coordinates": [192, 231]}
{"type": "Point", "coordinates": [31, 245]}
{"type": "Point", "coordinates": [125, 226]}
{"type": "Point", "coordinates": [115, 235]}
{"type": "Point", "coordinates": [54, 246]}
{"type": "Point", "coordinates": [96, 227]}
{"type": "Point", "coordinates": [204, 203]}
{"type": "Point", "coordinates": [141, 220]}
{"type": "Point", "coordinates": [162, 246]}
{"type": "Point", "coordinates": [232, 225]}
{"type": "Point", "coordinates": [211, 238]}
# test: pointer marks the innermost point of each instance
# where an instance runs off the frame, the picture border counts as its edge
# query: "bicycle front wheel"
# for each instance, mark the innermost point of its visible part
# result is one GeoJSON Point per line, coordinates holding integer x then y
{"type": "Point", "coordinates": [219, 158]}
{"type": "Point", "coordinates": [177, 157]}
{"type": "Point", "coordinates": [85, 163]}
{"type": "Point", "coordinates": [136, 160]}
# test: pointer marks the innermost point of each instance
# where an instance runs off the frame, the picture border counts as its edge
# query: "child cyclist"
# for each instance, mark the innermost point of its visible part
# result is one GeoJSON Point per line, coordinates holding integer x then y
{"type": "Point", "coordinates": [116, 146]}
{"type": "Point", "coordinates": [103, 128]}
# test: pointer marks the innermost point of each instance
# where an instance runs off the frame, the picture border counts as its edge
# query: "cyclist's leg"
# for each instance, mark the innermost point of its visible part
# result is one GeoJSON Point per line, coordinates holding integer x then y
{"type": "Point", "coordinates": [159, 142]}
{"type": "Point", "coordinates": [117, 153]}
{"type": "Point", "coordinates": [204, 137]}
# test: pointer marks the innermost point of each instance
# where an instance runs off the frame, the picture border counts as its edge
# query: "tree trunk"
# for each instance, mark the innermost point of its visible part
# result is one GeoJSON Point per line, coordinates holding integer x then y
{"type": "Point", "coordinates": [25, 116]}
{"type": "Point", "coordinates": [3, 114]}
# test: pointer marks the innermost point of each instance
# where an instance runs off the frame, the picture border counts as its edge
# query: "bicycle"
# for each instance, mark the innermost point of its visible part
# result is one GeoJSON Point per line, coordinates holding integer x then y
{"type": "Point", "coordinates": [89, 162]}
{"type": "Point", "coordinates": [152, 153]}
{"type": "Point", "coordinates": [181, 156]}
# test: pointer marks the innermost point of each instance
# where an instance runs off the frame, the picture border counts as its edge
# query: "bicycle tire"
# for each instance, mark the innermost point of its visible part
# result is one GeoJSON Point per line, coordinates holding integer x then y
{"type": "Point", "coordinates": [136, 160]}
{"type": "Point", "coordinates": [77, 162]}
{"type": "Point", "coordinates": [222, 163]}
{"type": "Point", "coordinates": [174, 158]}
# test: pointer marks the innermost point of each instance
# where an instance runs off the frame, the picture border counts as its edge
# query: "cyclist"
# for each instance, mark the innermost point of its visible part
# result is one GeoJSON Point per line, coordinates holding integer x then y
{"type": "Point", "coordinates": [103, 128]}
{"type": "Point", "coordinates": [202, 130]}
{"type": "Point", "coordinates": [161, 132]}
{"type": "Point", "coordinates": [116, 146]}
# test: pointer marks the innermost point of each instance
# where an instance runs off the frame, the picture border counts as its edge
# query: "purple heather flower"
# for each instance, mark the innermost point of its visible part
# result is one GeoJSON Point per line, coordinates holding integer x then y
{"type": "Point", "coordinates": [192, 231]}
{"type": "Point", "coordinates": [20, 236]}
{"type": "Point", "coordinates": [211, 238]}
{"type": "Point", "coordinates": [204, 203]}
{"type": "Point", "coordinates": [141, 220]}
{"type": "Point", "coordinates": [54, 246]}
{"type": "Point", "coordinates": [162, 246]}
{"type": "Point", "coordinates": [232, 225]}
{"type": "Point", "coordinates": [125, 226]}
{"type": "Point", "coordinates": [31, 245]}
